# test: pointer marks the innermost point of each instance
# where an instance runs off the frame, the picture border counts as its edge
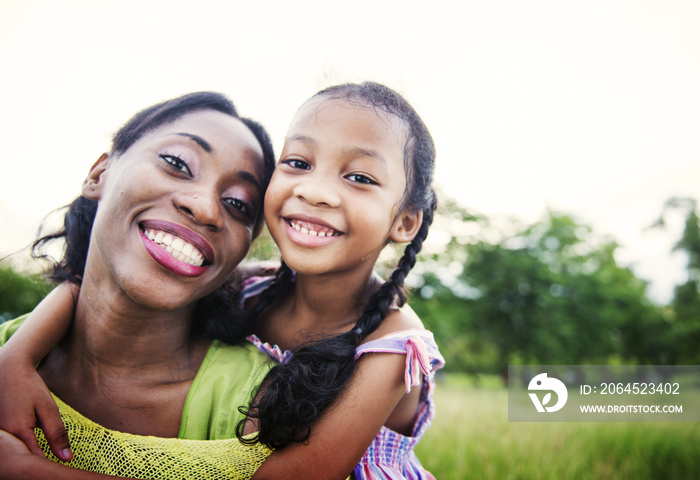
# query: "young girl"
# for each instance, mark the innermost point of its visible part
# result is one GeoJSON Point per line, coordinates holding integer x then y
{"type": "Point", "coordinates": [354, 175]}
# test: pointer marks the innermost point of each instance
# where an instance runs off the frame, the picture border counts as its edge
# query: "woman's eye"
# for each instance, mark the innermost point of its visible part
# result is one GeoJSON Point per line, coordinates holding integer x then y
{"type": "Point", "coordinates": [176, 163]}
{"type": "Point", "coordinates": [297, 164]}
{"type": "Point", "coordinates": [359, 178]}
{"type": "Point", "coordinates": [241, 206]}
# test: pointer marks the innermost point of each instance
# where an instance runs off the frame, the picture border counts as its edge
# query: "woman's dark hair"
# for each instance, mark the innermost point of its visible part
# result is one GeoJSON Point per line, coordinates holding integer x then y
{"type": "Point", "coordinates": [80, 215]}
{"type": "Point", "coordinates": [294, 394]}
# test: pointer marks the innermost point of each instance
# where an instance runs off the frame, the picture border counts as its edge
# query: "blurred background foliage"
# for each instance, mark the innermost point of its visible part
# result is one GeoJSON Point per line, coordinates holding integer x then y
{"type": "Point", "coordinates": [496, 292]}
{"type": "Point", "coordinates": [19, 292]}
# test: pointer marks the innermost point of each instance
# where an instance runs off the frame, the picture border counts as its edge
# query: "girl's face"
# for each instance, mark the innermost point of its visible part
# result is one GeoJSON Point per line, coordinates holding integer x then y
{"type": "Point", "coordinates": [334, 199]}
{"type": "Point", "coordinates": [176, 211]}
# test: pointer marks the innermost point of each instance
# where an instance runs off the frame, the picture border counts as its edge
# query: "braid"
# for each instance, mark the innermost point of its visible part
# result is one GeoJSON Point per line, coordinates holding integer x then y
{"type": "Point", "coordinates": [294, 394]}
{"type": "Point", "coordinates": [392, 291]}
{"type": "Point", "coordinates": [281, 282]}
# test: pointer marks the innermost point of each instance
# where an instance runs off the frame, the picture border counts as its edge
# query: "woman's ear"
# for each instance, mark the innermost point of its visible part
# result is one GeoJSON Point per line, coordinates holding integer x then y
{"type": "Point", "coordinates": [406, 226]}
{"type": "Point", "coordinates": [93, 184]}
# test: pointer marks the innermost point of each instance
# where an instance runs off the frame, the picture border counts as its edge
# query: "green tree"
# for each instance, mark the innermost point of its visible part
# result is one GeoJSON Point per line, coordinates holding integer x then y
{"type": "Point", "coordinates": [19, 293]}
{"type": "Point", "coordinates": [550, 292]}
{"type": "Point", "coordinates": [685, 305]}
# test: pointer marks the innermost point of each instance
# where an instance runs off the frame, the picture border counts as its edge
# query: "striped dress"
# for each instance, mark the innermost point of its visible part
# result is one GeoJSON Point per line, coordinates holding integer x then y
{"type": "Point", "coordinates": [391, 456]}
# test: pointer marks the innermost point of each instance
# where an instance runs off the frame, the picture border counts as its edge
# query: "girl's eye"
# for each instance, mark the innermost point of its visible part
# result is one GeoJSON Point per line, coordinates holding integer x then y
{"type": "Point", "coordinates": [241, 207]}
{"type": "Point", "coordinates": [176, 163]}
{"type": "Point", "coordinates": [359, 178]}
{"type": "Point", "coordinates": [297, 164]}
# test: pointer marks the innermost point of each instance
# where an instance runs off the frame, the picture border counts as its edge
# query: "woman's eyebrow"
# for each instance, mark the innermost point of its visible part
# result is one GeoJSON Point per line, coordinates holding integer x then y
{"type": "Point", "coordinates": [243, 175]}
{"type": "Point", "coordinates": [199, 140]}
{"type": "Point", "coordinates": [250, 178]}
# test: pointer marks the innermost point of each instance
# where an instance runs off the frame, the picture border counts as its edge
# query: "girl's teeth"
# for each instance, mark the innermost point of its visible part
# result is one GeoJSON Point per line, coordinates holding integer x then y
{"type": "Point", "coordinates": [313, 233]}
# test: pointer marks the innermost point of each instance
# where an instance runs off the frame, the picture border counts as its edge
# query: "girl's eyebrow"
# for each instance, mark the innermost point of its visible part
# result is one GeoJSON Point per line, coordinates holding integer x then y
{"type": "Point", "coordinates": [353, 152]}
{"type": "Point", "coordinates": [199, 140]}
{"type": "Point", "coordinates": [365, 152]}
{"type": "Point", "coordinates": [302, 139]}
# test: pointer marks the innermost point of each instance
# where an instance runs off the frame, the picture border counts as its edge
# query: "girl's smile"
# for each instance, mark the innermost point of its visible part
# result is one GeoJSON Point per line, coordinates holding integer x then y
{"type": "Point", "coordinates": [310, 232]}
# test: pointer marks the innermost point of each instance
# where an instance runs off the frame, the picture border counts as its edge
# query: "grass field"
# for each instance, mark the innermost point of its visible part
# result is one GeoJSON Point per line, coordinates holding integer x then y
{"type": "Point", "coordinates": [472, 438]}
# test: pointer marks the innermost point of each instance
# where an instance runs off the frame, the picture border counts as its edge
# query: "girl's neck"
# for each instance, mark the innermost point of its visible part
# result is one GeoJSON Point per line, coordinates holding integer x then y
{"type": "Point", "coordinates": [318, 305]}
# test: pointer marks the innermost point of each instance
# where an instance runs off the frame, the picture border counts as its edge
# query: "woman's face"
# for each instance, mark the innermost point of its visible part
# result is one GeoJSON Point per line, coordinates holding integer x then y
{"type": "Point", "coordinates": [176, 211]}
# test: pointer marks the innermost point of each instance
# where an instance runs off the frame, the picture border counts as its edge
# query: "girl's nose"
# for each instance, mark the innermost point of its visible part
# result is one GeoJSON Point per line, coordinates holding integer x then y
{"type": "Point", "coordinates": [203, 208]}
{"type": "Point", "coordinates": [318, 190]}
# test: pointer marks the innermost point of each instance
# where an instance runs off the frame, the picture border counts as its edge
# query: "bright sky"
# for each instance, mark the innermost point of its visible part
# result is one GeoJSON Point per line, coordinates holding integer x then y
{"type": "Point", "coordinates": [592, 108]}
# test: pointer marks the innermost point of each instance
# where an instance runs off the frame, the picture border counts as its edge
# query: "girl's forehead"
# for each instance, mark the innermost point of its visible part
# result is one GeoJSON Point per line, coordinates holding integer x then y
{"type": "Point", "coordinates": [347, 116]}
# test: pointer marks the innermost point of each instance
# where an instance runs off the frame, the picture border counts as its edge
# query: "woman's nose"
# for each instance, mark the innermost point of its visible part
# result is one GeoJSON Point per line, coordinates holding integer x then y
{"type": "Point", "coordinates": [318, 190]}
{"type": "Point", "coordinates": [203, 208]}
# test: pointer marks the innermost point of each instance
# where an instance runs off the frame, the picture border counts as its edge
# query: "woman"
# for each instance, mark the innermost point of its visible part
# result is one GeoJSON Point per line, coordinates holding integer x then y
{"type": "Point", "coordinates": [163, 220]}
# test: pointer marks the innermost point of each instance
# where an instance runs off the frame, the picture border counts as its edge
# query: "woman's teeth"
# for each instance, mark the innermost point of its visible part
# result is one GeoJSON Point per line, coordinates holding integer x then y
{"type": "Point", "coordinates": [312, 229]}
{"type": "Point", "coordinates": [177, 247]}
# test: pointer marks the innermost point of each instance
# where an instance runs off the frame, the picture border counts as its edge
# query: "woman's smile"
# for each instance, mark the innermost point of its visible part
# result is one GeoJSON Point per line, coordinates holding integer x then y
{"type": "Point", "coordinates": [176, 248]}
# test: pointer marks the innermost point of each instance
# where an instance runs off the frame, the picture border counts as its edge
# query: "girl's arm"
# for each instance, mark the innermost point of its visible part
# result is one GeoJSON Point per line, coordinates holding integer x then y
{"type": "Point", "coordinates": [338, 440]}
{"type": "Point", "coordinates": [18, 463]}
{"type": "Point", "coordinates": [343, 434]}
{"type": "Point", "coordinates": [25, 401]}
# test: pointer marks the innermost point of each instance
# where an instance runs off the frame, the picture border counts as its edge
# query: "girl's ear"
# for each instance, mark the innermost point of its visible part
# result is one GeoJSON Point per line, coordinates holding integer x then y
{"type": "Point", "coordinates": [406, 226]}
{"type": "Point", "coordinates": [93, 184]}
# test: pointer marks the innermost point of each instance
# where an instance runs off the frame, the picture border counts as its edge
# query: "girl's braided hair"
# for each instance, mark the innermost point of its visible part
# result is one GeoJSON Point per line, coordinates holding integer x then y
{"type": "Point", "coordinates": [294, 394]}
{"type": "Point", "coordinates": [214, 313]}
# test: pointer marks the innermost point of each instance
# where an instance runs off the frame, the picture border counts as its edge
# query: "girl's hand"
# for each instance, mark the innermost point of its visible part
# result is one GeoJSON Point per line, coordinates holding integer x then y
{"type": "Point", "coordinates": [17, 463]}
{"type": "Point", "coordinates": [14, 457]}
{"type": "Point", "coordinates": [26, 403]}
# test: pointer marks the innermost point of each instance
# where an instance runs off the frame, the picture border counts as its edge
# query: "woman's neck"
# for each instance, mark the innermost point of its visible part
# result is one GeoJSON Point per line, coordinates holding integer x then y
{"type": "Point", "coordinates": [126, 368]}
{"type": "Point", "coordinates": [110, 329]}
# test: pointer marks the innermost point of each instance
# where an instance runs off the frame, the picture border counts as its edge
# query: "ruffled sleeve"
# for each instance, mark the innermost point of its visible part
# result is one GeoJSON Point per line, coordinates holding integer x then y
{"type": "Point", "coordinates": [422, 354]}
{"type": "Point", "coordinates": [252, 287]}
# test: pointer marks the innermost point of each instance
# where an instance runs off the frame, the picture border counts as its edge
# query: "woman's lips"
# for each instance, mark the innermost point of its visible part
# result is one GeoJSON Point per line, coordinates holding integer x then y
{"type": "Point", "coordinates": [178, 249]}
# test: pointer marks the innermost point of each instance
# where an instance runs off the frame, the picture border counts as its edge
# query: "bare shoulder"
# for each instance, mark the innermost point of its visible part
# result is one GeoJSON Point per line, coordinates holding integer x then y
{"type": "Point", "coordinates": [399, 319]}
